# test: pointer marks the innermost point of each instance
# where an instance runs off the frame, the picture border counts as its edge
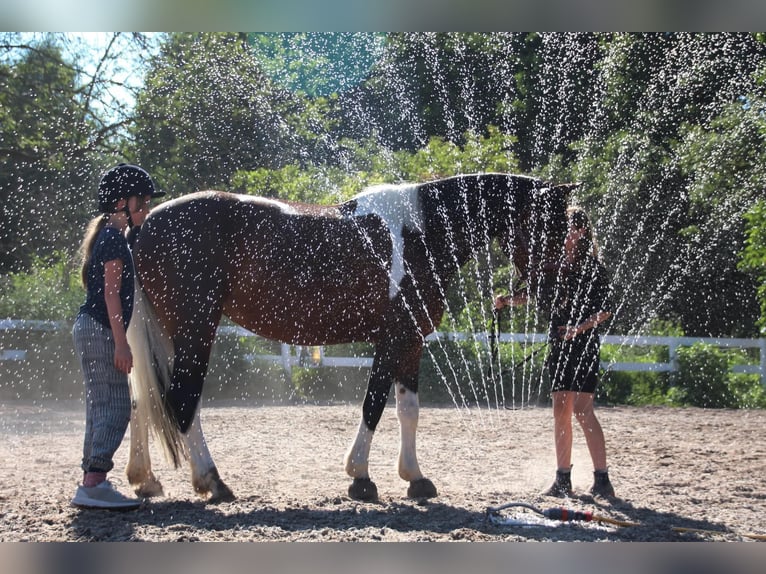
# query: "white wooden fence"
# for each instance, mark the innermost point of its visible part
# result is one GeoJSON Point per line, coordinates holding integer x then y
{"type": "Point", "coordinates": [292, 356]}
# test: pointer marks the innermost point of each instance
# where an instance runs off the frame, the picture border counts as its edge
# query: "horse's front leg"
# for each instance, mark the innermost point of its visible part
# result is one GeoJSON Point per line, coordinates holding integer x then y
{"type": "Point", "coordinates": [358, 455]}
{"type": "Point", "coordinates": [408, 411]}
{"type": "Point", "coordinates": [398, 358]}
{"type": "Point", "coordinates": [357, 465]}
{"type": "Point", "coordinates": [139, 468]}
{"type": "Point", "coordinates": [205, 478]}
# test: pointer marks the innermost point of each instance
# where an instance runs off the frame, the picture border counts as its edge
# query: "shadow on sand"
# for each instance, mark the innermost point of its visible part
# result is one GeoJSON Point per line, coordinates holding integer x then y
{"type": "Point", "coordinates": [342, 519]}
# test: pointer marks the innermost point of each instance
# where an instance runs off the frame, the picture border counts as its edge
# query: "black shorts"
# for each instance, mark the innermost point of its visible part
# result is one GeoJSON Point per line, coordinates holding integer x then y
{"type": "Point", "coordinates": [574, 365]}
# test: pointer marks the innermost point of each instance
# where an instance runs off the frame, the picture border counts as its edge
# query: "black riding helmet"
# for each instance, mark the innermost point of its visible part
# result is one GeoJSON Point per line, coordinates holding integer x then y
{"type": "Point", "coordinates": [124, 181]}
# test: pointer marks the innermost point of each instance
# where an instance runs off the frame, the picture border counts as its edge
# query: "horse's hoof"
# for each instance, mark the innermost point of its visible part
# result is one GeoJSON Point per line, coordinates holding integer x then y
{"type": "Point", "coordinates": [222, 497]}
{"type": "Point", "coordinates": [421, 488]}
{"type": "Point", "coordinates": [224, 494]}
{"type": "Point", "coordinates": [149, 489]}
{"type": "Point", "coordinates": [363, 489]}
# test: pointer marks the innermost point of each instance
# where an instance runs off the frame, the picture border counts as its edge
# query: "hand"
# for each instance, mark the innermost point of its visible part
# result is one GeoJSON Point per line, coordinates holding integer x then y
{"type": "Point", "coordinates": [123, 358]}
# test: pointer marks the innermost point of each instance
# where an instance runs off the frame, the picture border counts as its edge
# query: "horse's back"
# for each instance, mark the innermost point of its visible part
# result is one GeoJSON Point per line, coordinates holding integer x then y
{"type": "Point", "coordinates": [294, 272]}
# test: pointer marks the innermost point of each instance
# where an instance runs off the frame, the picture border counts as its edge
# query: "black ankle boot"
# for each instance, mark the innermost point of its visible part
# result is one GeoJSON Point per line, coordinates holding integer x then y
{"type": "Point", "coordinates": [562, 486]}
{"type": "Point", "coordinates": [601, 484]}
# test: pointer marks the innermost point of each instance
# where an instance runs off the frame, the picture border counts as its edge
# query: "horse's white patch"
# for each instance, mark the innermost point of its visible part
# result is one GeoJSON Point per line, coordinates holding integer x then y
{"type": "Point", "coordinates": [398, 207]}
{"type": "Point", "coordinates": [199, 456]}
{"type": "Point", "coordinates": [284, 207]}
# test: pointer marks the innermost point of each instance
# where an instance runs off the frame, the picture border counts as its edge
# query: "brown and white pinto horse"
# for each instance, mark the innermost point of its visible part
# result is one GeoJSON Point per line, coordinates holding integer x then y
{"type": "Point", "coordinates": [375, 269]}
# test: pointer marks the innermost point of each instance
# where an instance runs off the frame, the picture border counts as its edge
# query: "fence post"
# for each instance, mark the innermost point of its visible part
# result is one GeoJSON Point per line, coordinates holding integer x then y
{"type": "Point", "coordinates": [673, 359]}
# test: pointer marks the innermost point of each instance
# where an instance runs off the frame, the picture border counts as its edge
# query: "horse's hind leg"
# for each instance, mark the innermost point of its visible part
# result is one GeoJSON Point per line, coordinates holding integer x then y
{"type": "Point", "coordinates": [139, 468]}
{"type": "Point", "coordinates": [205, 478]}
{"type": "Point", "coordinates": [192, 354]}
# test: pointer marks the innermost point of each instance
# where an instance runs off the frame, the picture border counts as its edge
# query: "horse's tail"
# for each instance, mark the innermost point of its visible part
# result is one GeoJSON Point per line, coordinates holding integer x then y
{"type": "Point", "coordinates": [153, 356]}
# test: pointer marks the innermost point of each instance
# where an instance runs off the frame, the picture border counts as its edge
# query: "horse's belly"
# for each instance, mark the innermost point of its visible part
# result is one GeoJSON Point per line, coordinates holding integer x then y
{"type": "Point", "coordinates": [311, 319]}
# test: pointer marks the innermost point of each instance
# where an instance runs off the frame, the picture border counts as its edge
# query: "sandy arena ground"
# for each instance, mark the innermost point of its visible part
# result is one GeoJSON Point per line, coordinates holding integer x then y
{"type": "Point", "coordinates": [679, 474]}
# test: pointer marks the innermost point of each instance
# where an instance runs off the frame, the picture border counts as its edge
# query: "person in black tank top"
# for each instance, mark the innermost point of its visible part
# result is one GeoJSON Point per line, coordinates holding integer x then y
{"type": "Point", "coordinates": [580, 303]}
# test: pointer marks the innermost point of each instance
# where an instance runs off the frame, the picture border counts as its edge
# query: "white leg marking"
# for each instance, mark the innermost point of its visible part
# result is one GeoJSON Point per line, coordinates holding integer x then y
{"type": "Point", "coordinates": [407, 410]}
{"type": "Point", "coordinates": [199, 457]}
{"type": "Point", "coordinates": [139, 463]}
{"type": "Point", "coordinates": [358, 454]}
{"type": "Point", "coordinates": [139, 468]}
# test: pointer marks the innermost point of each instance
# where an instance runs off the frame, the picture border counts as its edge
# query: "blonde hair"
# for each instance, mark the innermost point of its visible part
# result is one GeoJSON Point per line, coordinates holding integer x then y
{"type": "Point", "coordinates": [86, 247]}
{"type": "Point", "coordinates": [578, 218]}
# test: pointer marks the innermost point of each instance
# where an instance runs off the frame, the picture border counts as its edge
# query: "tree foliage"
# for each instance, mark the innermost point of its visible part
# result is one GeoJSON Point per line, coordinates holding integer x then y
{"type": "Point", "coordinates": [60, 124]}
{"type": "Point", "coordinates": [673, 155]}
{"type": "Point", "coordinates": [208, 110]}
{"type": "Point", "coordinates": [754, 254]}
{"type": "Point", "coordinates": [42, 161]}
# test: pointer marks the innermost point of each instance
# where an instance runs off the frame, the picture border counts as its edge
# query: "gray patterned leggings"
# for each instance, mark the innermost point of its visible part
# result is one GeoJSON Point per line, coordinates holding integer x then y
{"type": "Point", "coordinates": [107, 394]}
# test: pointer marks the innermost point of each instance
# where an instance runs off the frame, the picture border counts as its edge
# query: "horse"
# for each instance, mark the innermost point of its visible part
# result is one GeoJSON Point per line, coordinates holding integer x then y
{"type": "Point", "coordinates": [372, 269]}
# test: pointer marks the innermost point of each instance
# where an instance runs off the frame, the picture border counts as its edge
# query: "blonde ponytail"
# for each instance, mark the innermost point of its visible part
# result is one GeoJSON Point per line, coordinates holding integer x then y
{"type": "Point", "coordinates": [86, 247]}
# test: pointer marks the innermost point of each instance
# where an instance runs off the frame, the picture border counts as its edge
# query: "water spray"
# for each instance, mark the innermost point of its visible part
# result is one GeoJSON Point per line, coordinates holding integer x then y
{"type": "Point", "coordinates": [494, 334]}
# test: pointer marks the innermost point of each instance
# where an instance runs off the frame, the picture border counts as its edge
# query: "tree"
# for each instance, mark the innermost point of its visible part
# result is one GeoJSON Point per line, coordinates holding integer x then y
{"type": "Point", "coordinates": [43, 167]}
{"type": "Point", "coordinates": [753, 256]}
{"type": "Point", "coordinates": [208, 110]}
{"type": "Point", "coordinates": [434, 85]}
{"type": "Point", "coordinates": [61, 122]}
{"type": "Point", "coordinates": [557, 95]}
{"type": "Point", "coordinates": [675, 155]}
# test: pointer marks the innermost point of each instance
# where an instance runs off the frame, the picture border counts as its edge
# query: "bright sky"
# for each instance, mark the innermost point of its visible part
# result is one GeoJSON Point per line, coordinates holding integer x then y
{"type": "Point", "coordinates": [125, 70]}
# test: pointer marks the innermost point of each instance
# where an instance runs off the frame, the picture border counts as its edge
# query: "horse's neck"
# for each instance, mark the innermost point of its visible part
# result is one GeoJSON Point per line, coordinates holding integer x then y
{"type": "Point", "coordinates": [454, 226]}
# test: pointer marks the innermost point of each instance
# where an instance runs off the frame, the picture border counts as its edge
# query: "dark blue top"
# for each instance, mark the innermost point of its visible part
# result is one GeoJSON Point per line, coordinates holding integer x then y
{"type": "Point", "coordinates": [109, 246]}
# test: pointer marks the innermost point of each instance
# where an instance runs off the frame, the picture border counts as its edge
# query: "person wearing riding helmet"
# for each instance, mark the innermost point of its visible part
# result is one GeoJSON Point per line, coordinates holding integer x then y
{"type": "Point", "coordinates": [99, 331]}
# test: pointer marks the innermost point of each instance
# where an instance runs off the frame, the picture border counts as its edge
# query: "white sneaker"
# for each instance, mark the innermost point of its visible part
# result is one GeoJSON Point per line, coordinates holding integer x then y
{"type": "Point", "coordinates": [105, 496]}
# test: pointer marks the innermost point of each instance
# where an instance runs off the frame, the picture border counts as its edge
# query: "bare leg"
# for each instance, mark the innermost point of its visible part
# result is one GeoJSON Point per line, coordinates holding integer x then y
{"type": "Point", "coordinates": [594, 435]}
{"type": "Point", "coordinates": [563, 406]}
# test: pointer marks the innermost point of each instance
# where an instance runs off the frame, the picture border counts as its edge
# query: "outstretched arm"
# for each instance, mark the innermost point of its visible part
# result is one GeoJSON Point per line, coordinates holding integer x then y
{"type": "Point", "coordinates": [502, 301]}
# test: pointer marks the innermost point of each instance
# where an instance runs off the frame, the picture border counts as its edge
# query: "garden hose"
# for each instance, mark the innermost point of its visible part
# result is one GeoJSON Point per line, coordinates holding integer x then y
{"type": "Point", "coordinates": [559, 513]}
{"type": "Point", "coordinates": [568, 515]}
